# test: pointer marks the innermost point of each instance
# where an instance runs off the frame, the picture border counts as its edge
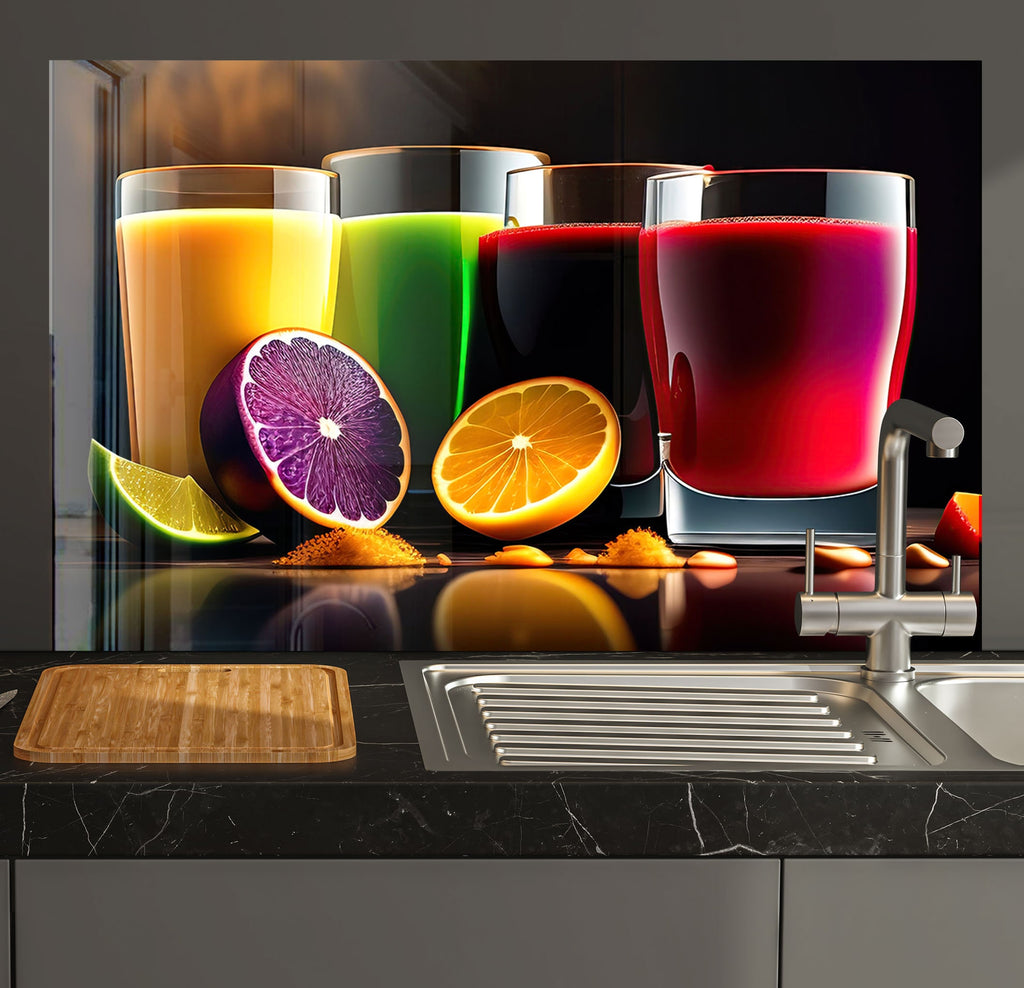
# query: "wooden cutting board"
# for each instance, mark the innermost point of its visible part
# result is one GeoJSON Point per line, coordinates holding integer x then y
{"type": "Point", "coordinates": [188, 713]}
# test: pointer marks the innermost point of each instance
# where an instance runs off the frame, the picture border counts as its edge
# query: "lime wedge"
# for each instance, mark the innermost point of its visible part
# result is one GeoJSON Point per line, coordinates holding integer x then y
{"type": "Point", "coordinates": [140, 503]}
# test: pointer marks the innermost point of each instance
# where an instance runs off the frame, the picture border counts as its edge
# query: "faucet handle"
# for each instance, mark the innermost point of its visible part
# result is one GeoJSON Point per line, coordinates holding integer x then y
{"type": "Point", "coordinates": [809, 562]}
{"type": "Point", "coordinates": [955, 560]}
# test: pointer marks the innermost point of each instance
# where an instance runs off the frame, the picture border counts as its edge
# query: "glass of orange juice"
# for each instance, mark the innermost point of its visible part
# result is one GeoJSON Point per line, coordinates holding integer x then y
{"type": "Point", "coordinates": [209, 257]}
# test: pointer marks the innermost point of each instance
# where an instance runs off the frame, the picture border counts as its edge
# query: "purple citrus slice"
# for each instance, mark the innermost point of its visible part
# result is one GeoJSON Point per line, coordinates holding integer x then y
{"type": "Point", "coordinates": [299, 421]}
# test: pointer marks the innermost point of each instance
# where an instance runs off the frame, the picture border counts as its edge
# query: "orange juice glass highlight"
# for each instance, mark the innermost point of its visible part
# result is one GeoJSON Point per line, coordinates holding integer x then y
{"type": "Point", "coordinates": [210, 257]}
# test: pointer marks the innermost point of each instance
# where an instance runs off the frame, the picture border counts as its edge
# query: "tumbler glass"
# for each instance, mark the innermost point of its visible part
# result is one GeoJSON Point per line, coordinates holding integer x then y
{"type": "Point", "coordinates": [209, 258]}
{"type": "Point", "coordinates": [561, 293]}
{"type": "Point", "coordinates": [407, 298]}
{"type": "Point", "coordinates": [778, 308]}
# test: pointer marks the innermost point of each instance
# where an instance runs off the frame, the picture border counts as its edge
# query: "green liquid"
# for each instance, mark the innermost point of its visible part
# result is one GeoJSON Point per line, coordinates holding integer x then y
{"type": "Point", "coordinates": [408, 303]}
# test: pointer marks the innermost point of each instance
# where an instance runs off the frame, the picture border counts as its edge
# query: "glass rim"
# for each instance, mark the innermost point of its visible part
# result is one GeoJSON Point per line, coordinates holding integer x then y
{"type": "Point", "coordinates": [211, 166]}
{"type": "Point", "coordinates": [787, 171]}
{"type": "Point", "coordinates": [396, 148]}
{"type": "Point", "coordinates": [679, 169]}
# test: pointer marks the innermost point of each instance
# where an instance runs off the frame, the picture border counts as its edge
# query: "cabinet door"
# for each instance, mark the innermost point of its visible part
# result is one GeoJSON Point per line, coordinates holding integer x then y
{"type": "Point", "coordinates": [937, 923]}
{"type": "Point", "coordinates": [5, 924]}
{"type": "Point", "coordinates": [392, 924]}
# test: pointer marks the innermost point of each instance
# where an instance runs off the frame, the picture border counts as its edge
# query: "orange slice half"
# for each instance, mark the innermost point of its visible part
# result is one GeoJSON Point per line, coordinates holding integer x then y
{"type": "Point", "coordinates": [527, 457]}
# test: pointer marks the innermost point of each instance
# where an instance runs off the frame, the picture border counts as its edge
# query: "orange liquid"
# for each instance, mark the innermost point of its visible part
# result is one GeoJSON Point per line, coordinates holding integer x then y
{"type": "Point", "coordinates": [197, 285]}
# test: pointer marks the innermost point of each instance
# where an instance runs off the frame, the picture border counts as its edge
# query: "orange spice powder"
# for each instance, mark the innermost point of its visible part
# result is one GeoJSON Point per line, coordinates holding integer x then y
{"type": "Point", "coordinates": [353, 547]}
{"type": "Point", "coordinates": [639, 547]}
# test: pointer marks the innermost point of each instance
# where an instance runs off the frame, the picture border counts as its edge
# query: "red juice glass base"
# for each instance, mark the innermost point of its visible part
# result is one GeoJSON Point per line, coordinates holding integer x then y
{"type": "Point", "coordinates": [694, 518]}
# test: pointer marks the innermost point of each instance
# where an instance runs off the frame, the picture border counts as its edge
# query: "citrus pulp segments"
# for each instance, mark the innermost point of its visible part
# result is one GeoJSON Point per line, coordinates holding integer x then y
{"type": "Point", "coordinates": [527, 457]}
{"type": "Point", "coordinates": [137, 500]}
{"type": "Point", "coordinates": [324, 428]}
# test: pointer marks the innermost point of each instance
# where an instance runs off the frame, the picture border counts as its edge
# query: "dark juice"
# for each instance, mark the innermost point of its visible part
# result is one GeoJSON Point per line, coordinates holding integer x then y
{"type": "Point", "coordinates": [565, 300]}
{"type": "Point", "coordinates": [776, 345]}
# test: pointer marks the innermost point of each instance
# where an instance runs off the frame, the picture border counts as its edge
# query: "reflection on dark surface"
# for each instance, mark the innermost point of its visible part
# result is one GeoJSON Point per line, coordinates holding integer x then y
{"type": "Point", "coordinates": [220, 607]}
{"type": "Point", "coordinates": [336, 617]}
{"type": "Point", "coordinates": [528, 610]}
{"type": "Point", "coordinates": [246, 604]}
{"type": "Point", "coordinates": [751, 612]}
{"type": "Point", "coordinates": [633, 583]}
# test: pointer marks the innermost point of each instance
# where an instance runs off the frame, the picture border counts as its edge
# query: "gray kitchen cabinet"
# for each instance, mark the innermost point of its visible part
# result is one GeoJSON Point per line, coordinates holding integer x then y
{"type": "Point", "coordinates": [5, 925]}
{"type": "Point", "coordinates": [397, 923]}
{"type": "Point", "coordinates": [940, 923]}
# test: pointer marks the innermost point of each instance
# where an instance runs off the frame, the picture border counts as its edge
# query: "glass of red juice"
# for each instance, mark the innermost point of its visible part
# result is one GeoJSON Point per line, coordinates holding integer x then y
{"type": "Point", "coordinates": [560, 290]}
{"type": "Point", "coordinates": [778, 307]}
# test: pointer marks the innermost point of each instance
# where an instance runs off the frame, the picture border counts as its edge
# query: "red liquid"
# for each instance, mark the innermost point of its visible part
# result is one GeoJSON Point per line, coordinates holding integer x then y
{"type": "Point", "coordinates": [776, 345]}
{"type": "Point", "coordinates": [566, 300]}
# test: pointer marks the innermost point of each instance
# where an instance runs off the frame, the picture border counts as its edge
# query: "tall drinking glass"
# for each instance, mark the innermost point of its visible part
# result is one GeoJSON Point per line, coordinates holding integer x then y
{"type": "Point", "coordinates": [778, 308]}
{"type": "Point", "coordinates": [412, 218]}
{"type": "Point", "coordinates": [209, 258]}
{"type": "Point", "coordinates": [561, 292]}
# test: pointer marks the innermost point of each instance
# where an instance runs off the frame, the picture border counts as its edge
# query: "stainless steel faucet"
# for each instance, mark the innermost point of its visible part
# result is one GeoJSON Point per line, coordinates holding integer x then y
{"type": "Point", "coordinates": [889, 615]}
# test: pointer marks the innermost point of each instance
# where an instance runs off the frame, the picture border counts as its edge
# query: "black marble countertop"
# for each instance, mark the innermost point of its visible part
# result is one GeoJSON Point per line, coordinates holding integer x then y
{"type": "Point", "coordinates": [384, 803]}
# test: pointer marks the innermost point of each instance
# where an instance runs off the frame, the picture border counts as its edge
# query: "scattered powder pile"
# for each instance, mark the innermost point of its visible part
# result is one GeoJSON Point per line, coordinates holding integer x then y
{"type": "Point", "coordinates": [353, 547]}
{"type": "Point", "coordinates": [639, 547]}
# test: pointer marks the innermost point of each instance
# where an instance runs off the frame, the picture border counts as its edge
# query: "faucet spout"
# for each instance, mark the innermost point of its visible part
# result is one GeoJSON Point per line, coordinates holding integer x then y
{"type": "Point", "coordinates": [943, 435]}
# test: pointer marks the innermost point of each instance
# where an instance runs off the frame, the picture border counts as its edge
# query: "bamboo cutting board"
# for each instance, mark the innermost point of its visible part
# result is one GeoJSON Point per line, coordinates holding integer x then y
{"type": "Point", "coordinates": [188, 713]}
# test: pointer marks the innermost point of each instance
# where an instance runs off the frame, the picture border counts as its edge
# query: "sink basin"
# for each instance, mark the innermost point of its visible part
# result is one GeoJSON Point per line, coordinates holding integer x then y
{"type": "Point", "coordinates": [613, 715]}
{"type": "Point", "coordinates": [990, 710]}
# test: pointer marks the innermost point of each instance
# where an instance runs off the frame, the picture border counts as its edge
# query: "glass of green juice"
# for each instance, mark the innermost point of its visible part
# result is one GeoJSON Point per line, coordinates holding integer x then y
{"type": "Point", "coordinates": [407, 299]}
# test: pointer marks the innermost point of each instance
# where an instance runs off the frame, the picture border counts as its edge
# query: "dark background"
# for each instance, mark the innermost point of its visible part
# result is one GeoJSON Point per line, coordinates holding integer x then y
{"type": "Point", "coordinates": [920, 118]}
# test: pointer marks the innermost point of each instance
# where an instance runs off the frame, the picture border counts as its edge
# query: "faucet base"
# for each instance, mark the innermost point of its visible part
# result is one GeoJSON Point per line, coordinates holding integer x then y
{"type": "Point", "coordinates": [887, 676]}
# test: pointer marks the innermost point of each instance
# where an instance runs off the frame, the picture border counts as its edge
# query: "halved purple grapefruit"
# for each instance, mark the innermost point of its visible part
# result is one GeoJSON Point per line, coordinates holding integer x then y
{"type": "Point", "coordinates": [297, 421]}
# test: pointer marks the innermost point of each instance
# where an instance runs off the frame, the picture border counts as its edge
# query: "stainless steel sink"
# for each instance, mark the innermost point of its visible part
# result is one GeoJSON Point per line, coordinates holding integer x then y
{"type": "Point", "coordinates": [517, 715]}
{"type": "Point", "coordinates": [990, 710]}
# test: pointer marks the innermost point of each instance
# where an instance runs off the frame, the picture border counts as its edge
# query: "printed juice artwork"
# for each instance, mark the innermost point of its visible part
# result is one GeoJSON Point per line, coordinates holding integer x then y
{"type": "Point", "coordinates": [407, 302]}
{"type": "Point", "coordinates": [565, 300]}
{"type": "Point", "coordinates": [196, 286]}
{"type": "Point", "coordinates": [776, 345]}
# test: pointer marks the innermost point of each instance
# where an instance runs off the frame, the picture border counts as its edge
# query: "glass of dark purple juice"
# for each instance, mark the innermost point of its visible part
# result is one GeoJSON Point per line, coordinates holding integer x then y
{"type": "Point", "coordinates": [560, 290]}
{"type": "Point", "coordinates": [778, 307]}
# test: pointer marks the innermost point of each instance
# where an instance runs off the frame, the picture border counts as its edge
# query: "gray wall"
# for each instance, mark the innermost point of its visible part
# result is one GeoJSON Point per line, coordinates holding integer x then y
{"type": "Point", "coordinates": [529, 29]}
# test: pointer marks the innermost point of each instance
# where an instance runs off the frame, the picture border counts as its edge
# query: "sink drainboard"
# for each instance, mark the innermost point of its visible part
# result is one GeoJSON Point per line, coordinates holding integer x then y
{"type": "Point", "coordinates": [561, 725]}
{"type": "Point", "coordinates": [548, 719]}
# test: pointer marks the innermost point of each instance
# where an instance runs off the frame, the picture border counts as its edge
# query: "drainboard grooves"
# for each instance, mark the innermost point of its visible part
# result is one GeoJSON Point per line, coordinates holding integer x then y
{"type": "Point", "coordinates": [668, 730]}
{"type": "Point", "coordinates": [510, 741]}
{"type": "Point", "coordinates": [550, 724]}
{"type": "Point", "coordinates": [486, 703]}
{"type": "Point", "coordinates": [570, 717]}
{"type": "Point", "coordinates": [551, 758]}
{"type": "Point", "coordinates": [635, 692]}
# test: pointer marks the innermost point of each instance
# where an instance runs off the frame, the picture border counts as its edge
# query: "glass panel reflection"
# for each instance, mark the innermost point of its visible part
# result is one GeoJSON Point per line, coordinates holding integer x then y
{"type": "Point", "coordinates": [249, 605]}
